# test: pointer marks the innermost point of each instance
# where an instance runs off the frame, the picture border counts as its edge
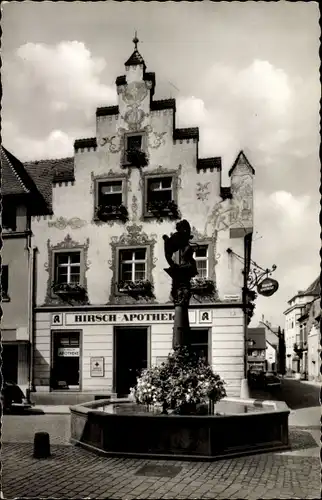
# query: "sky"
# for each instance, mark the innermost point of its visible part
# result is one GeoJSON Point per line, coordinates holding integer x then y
{"type": "Point", "coordinates": [246, 73]}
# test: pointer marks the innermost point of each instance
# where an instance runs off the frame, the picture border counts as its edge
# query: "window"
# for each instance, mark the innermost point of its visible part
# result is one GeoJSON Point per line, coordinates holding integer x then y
{"type": "Point", "coordinates": [8, 217]}
{"type": "Point", "coordinates": [67, 267]}
{"type": "Point", "coordinates": [159, 189]}
{"type": "Point", "coordinates": [4, 282]}
{"type": "Point", "coordinates": [133, 142]}
{"type": "Point", "coordinates": [201, 258]}
{"type": "Point", "coordinates": [110, 193]}
{"type": "Point", "coordinates": [133, 265]}
{"type": "Point", "coordinates": [198, 339]}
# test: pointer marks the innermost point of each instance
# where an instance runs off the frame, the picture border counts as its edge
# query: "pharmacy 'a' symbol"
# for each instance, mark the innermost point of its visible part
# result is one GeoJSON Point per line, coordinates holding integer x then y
{"type": "Point", "coordinates": [205, 316]}
{"type": "Point", "coordinates": [56, 319]}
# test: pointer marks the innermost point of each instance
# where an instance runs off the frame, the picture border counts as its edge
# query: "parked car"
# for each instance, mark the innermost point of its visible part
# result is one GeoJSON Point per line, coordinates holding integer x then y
{"type": "Point", "coordinates": [263, 380]}
{"type": "Point", "coordinates": [271, 381]}
{"type": "Point", "coordinates": [13, 398]}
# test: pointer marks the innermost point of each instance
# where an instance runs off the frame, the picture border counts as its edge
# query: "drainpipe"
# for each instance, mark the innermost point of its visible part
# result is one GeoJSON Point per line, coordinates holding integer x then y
{"type": "Point", "coordinates": [244, 392]}
{"type": "Point", "coordinates": [31, 280]}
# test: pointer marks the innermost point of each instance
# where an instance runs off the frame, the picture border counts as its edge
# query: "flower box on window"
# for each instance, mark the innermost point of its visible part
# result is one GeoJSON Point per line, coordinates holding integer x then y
{"type": "Point", "coordinates": [69, 290]}
{"type": "Point", "coordinates": [112, 212]}
{"type": "Point", "coordinates": [140, 287]}
{"type": "Point", "coordinates": [136, 157]}
{"type": "Point", "coordinates": [166, 208]}
{"type": "Point", "coordinates": [202, 286]}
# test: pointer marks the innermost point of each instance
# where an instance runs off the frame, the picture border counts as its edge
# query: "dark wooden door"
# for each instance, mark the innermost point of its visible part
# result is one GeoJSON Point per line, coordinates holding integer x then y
{"type": "Point", "coordinates": [131, 356]}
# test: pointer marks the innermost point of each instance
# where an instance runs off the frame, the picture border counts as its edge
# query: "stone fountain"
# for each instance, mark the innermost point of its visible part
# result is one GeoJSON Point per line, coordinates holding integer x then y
{"type": "Point", "coordinates": [122, 428]}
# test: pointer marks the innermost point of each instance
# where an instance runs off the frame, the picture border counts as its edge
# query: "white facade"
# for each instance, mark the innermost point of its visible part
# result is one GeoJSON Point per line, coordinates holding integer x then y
{"type": "Point", "coordinates": [270, 356]}
{"type": "Point", "coordinates": [89, 334]}
{"type": "Point", "coordinates": [292, 327]}
{"type": "Point", "coordinates": [314, 353]}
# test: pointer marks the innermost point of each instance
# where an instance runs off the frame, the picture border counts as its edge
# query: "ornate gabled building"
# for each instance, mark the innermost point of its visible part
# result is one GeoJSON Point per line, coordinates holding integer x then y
{"type": "Point", "coordinates": [104, 309]}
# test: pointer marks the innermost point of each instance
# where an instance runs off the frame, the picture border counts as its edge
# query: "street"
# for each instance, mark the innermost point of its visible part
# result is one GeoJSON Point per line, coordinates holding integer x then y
{"type": "Point", "coordinates": [73, 473]}
{"type": "Point", "coordinates": [296, 394]}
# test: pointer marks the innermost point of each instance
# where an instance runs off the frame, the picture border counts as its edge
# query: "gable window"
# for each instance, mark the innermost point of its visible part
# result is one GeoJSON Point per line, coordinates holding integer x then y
{"type": "Point", "coordinates": [110, 200]}
{"type": "Point", "coordinates": [110, 193]}
{"type": "Point", "coordinates": [9, 217]}
{"type": "Point", "coordinates": [68, 268]}
{"type": "Point", "coordinates": [4, 282]}
{"type": "Point", "coordinates": [134, 142]}
{"type": "Point", "coordinates": [134, 149]}
{"type": "Point", "coordinates": [201, 258]}
{"type": "Point", "coordinates": [160, 196]}
{"type": "Point", "coordinates": [159, 189]}
{"type": "Point", "coordinates": [133, 265]}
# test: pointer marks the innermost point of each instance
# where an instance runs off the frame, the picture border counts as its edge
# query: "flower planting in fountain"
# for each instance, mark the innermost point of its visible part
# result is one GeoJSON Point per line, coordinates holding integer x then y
{"type": "Point", "coordinates": [182, 384]}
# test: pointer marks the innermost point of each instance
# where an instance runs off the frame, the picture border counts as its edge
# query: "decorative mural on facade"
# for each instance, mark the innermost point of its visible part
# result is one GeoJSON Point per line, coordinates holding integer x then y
{"type": "Point", "coordinates": [62, 223]}
{"type": "Point", "coordinates": [135, 92]}
{"type": "Point", "coordinates": [134, 207]}
{"type": "Point", "coordinates": [242, 191]}
{"type": "Point", "coordinates": [67, 244]}
{"type": "Point", "coordinates": [202, 191]}
{"type": "Point", "coordinates": [156, 139]}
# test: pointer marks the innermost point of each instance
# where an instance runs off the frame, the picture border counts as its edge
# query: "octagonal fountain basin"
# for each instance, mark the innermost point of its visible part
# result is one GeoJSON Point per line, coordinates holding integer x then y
{"type": "Point", "coordinates": [238, 427]}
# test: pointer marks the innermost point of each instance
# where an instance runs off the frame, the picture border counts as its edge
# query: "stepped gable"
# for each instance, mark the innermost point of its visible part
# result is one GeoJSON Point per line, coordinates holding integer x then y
{"type": "Point", "coordinates": [85, 143]}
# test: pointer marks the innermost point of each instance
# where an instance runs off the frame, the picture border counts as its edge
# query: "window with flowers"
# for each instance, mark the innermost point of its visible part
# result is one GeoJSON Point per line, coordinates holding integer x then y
{"type": "Point", "coordinates": [110, 200]}
{"type": "Point", "coordinates": [161, 196]}
{"type": "Point", "coordinates": [133, 271]}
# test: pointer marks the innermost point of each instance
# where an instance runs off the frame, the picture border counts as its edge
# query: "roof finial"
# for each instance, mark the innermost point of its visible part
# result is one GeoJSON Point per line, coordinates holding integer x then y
{"type": "Point", "coordinates": [135, 40]}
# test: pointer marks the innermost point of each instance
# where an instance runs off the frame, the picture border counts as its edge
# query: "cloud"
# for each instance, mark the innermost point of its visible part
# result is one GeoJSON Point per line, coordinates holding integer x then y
{"type": "Point", "coordinates": [287, 235]}
{"type": "Point", "coordinates": [57, 144]}
{"type": "Point", "coordinates": [52, 88]}
{"type": "Point", "coordinates": [67, 72]}
{"type": "Point", "coordinates": [259, 108]}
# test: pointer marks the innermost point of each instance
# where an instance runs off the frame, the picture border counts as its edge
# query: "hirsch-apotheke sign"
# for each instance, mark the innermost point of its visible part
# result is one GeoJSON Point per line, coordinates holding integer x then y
{"type": "Point", "coordinates": [267, 287]}
{"type": "Point", "coordinates": [125, 318]}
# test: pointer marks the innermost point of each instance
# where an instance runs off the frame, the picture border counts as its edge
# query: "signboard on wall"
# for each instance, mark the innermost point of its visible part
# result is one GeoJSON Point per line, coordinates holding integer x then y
{"type": "Point", "coordinates": [232, 298]}
{"type": "Point", "coordinates": [108, 318]}
{"type": "Point", "coordinates": [160, 360]}
{"type": "Point", "coordinates": [97, 366]}
{"type": "Point", "coordinates": [267, 287]}
{"type": "Point", "coordinates": [68, 352]}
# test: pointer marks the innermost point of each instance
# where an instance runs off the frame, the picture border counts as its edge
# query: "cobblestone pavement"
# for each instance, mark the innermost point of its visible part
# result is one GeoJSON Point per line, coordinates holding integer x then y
{"type": "Point", "coordinates": [22, 428]}
{"type": "Point", "coordinates": [72, 472]}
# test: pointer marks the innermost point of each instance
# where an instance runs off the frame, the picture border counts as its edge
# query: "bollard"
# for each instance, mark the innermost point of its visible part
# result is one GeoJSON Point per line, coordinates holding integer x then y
{"type": "Point", "coordinates": [41, 445]}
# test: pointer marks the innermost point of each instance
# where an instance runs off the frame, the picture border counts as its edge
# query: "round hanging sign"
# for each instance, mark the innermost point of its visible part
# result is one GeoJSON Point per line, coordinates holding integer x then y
{"type": "Point", "coordinates": [267, 287]}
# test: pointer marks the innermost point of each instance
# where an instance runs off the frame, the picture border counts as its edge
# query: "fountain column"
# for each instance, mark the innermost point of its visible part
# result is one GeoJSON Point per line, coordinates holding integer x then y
{"type": "Point", "coordinates": [181, 275]}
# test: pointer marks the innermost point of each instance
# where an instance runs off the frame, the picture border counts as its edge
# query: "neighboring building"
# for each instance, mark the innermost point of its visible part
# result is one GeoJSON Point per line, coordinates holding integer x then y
{"type": "Point", "coordinates": [308, 342]}
{"type": "Point", "coordinates": [314, 341]}
{"type": "Point", "coordinates": [20, 201]}
{"type": "Point", "coordinates": [256, 349]}
{"type": "Point", "coordinates": [103, 298]}
{"type": "Point", "coordinates": [271, 338]}
{"type": "Point", "coordinates": [295, 330]}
